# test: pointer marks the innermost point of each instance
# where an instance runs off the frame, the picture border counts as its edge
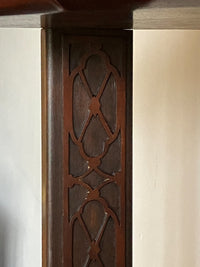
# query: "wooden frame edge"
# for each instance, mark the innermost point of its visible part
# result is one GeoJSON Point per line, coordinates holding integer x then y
{"type": "Point", "coordinates": [129, 138]}
{"type": "Point", "coordinates": [44, 149]}
{"type": "Point", "coordinates": [52, 158]}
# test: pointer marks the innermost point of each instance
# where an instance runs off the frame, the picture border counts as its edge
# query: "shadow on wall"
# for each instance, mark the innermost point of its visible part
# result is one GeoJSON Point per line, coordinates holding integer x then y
{"type": "Point", "coordinates": [8, 240]}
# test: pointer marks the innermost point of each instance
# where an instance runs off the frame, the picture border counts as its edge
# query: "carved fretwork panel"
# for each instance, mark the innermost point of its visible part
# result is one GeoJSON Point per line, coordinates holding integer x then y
{"type": "Point", "coordinates": [94, 139]}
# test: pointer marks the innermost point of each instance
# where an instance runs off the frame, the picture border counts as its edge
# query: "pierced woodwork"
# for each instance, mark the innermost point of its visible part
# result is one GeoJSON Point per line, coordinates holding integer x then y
{"type": "Point", "coordinates": [94, 151]}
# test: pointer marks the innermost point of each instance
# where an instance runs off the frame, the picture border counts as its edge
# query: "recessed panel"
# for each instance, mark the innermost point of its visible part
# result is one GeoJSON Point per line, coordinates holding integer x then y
{"type": "Point", "coordinates": [93, 217]}
{"type": "Point", "coordinates": [111, 194]}
{"type": "Point", "coordinates": [77, 164]}
{"type": "Point", "coordinates": [109, 102]}
{"type": "Point", "coordinates": [76, 52]}
{"type": "Point", "coordinates": [93, 179]}
{"type": "Point", "coordinates": [81, 101]}
{"type": "Point", "coordinates": [94, 138]}
{"type": "Point", "coordinates": [80, 249]}
{"type": "Point", "coordinates": [95, 72]}
{"type": "Point", "coordinates": [111, 162]}
{"type": "Point", "coordinates": [95, 119]}
{"type": "Point", "coordinates": [77, 195]}
{"type": "Point", "coordinates": [108, 245]}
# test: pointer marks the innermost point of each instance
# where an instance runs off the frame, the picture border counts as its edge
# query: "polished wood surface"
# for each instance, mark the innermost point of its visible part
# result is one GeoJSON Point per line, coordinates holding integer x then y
{"type": "Point", "coordinates": [68, 13]}
{"type": "Point", "coordinates": [53, 112]}
{"type": "Point", "coordinates": [94, 151]}
{"type": "Point", "coordinates": [87, 19]}
{"type": "Point", "coordinates": [44, 151]}
{"type": "Point", "coordinates": [79, 5]}
{"type": "Point", "coordinates": [98, 228]}
{"type": "Point", "coordinates": [13, 7]}
{"type": "Point", "coordinates": [128, 14]}
{"type": "Point", "coordinates": [46, 6]}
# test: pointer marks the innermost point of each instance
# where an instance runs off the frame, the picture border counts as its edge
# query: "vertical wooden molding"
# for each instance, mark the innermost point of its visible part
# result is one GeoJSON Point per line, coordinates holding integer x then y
{"type": "Point", "coordinates": [129, 138]}
{"type": "Point", "coordinates": [87, 171]}
{"type": "Point", "coordinates": [44, 150]}
{"type": "Point", "coordinates": [54, 150]}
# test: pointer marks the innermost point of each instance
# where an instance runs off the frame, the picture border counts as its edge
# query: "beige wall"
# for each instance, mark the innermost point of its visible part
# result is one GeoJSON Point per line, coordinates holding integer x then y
{"type": "Point", "coordinates": [167, 148]}
{"type": "Point", "coordinates": [20, 148]}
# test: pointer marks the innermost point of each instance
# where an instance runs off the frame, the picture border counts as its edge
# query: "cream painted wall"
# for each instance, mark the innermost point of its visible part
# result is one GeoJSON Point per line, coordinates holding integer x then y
{"type": "Point", "coordinates": [20, 146]}
{"type": "Point", "coordinates": [167, 148]}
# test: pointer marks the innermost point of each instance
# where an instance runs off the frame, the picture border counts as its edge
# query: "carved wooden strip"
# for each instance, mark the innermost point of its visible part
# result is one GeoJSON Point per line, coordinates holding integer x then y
{"type": "Point", "coordinates": [94, 62]}
{"type": "Point", "coordinates": [89, 192]}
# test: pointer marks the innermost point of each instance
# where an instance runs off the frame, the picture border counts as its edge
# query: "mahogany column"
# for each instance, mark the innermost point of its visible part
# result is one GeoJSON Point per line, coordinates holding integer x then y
{"type": "Point", "coordinates": [89, 133]}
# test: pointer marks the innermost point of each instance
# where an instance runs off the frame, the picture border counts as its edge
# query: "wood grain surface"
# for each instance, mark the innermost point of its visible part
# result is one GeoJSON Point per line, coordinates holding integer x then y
{"type": "Point", "coordinates": [46, 6]}
{"type": "Point", "coordinates": [126, 14]}
{"type": "Point", "coordinates": [13, 7]}
{"type": "Point", "coordinates": [88, 162]}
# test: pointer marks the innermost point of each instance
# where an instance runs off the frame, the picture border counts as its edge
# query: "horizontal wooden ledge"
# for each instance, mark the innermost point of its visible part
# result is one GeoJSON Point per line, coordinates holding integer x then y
{"type": "Point", "coordinates": [167, 18]}
{"type": "Point", "coordinates": [65, 20]}
{"type": "Point", "coordinates": [146, 14]}
{"type": "Point", "coordinates": [13, 7]}
{"type": "Point", "coordinates": [68, 13]}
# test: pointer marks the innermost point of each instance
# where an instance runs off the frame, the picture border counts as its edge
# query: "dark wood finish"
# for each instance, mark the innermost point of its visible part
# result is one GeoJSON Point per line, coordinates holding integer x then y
{"type": "Point", "coordinates": [54, 135]}
{"type": "Point", "coordinates": [68, 13]}
{"type": "Point", "coordinates": [80, 5]}
{"type": "Point", "coordinates": [89, 20]}
{"type": "Point", "coordinates": [108, 192]}
{"type": "Point", "coordinates": [129, 138]}
{"type": "Point", "coordinates": [70, 19]}
{"type": "Point", "coordinates": [46, 6]}
{"type": "Point", "coordinates": [32, 6]}
{"type": "Point", "coordinates": [86, 82]}
{"type": "Point", "coordinates": [142, 18]}
{"type": "Point", "coordinates": [13, 7]}
{"type": "Point", "coordinates": [128, 14]}
{"type": "Point", "coordinates": [44, 153]}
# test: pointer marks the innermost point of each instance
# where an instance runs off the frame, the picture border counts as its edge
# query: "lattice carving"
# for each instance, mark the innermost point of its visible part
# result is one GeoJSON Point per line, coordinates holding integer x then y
{"type": "Point", "coordinates": [94, 182]}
